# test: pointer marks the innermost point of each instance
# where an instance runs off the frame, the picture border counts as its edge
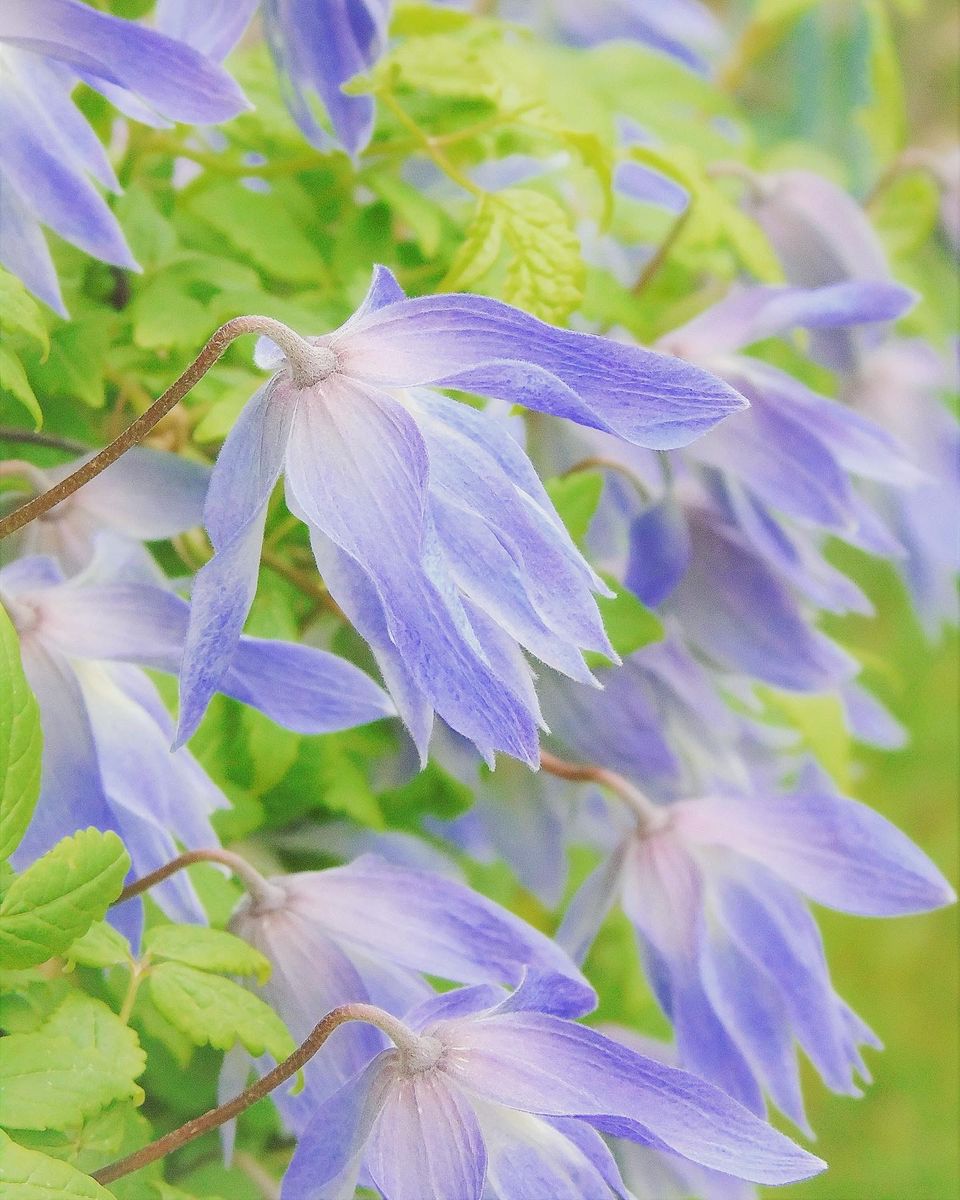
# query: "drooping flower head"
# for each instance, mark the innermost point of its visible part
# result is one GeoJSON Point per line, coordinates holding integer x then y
{"type": "Point", "coordinates": [487, 1095]}
{"type": "Point", "coordinates": [147, 495]}
{"type": "Point", "coordinates": [48, 152]}
{"type": "Point", "coordinates": [715, 890]}
{"type": "Point", "coordinates": [430, 527]}
{"type": "Point", "coordinates": [106, 733]}
{"type": "Point", "coordinates": [369, 931]}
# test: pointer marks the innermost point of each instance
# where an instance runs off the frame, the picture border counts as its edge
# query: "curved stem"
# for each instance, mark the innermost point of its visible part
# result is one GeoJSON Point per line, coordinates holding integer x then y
{"type": "Point", "coordinates": [261, 889]}
{"type": "Point", "coordinates": [223, 1113]}
{"type": "Point", "coordinates": [30, 437]}
{"type": "Point", "coordinates": [650, 816]}
{"type": "Point", "coordinates": [304, 362]}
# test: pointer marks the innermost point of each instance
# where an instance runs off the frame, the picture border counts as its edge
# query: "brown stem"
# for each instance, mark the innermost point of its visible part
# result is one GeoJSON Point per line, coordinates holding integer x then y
{"type": "Point", "coordinates": [649, 816]}
{"type": "Point", "coordinates": [216, 1117]}
{"type": "Point", "coordinates": [136, 432]}
{"type": "Point", "coordinates": [29, 437]}
{"type": "Point", "coordinates": [253, 881]}
{"type": "Point", "coordinates": [663, 250]}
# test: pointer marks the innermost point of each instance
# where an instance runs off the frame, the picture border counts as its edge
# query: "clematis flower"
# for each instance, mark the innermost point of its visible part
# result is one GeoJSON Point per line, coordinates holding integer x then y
{"type": "Point", "coordinates": [147, 495]}
{"type": "Point", "coordinates": [317, 45]}
{"type": "Point", "coordinates": [369, 931]}
{"type": "Point", "coordinates": [106, 732]}
{"type": "Point", "coordinates": [428, 523]}
{"type": "Point", "coordinates": [48, 152]}
{"type": "Point", "coordinates": [822, 236]}
{"type": "Point", "coordinates": [486, 1095]}
{"type": "Point", "coordinates": [714, 888]}
{"type": "Point", "coordinates": [900, 386]}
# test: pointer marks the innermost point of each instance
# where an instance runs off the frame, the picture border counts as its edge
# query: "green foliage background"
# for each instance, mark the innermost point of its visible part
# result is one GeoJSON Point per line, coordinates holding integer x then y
{"type": "Point", "coordinates": [838, 87]}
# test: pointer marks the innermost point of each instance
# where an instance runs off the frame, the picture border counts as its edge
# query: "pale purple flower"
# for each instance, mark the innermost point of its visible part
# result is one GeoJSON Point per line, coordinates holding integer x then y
{"type": "Point", "coordinates": [147, 495]}
{"type": "Point", "coordinates": [822, 236]}
{"type": "Point", "coordinates": [106, 757]}
{"type": "Point", "coordinates": [715, 890]}
{"type": "Point", "coordinates": [369, 931]}
{"type": "Point", "coordinates": [502, 1097]}
{"type": "Point", "coordinates": [430, 527]}
{"type": "Point", "coordinates": [900, 385]}
{"type": "Point", "coordinates": [48, 152]}
{"type": "Point", "coordinates": [317, 45]}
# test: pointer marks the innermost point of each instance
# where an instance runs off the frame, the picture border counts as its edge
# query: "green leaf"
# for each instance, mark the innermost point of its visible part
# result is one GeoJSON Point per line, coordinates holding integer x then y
{"type": "Point", "coordinates": [575, 498]}
{"type": "Point", "coordinates": [58, 897]}
{"type": "Point", "coordinates": [906, 212]}
{"type": "Point", "coordinates": [79, 1061]}
{"type": "Point", "coordinates": [21, 743]}
{"type": "Point", "coordinates": [480, 249]}
{"type": "Point", "coordinates": [109, 1134]}
{"type": "Point", "coordinates": [100, 946]}
{"type": "Point", "coordinates": [206, 949]}
{"type": "Point", "coordinates": [29, 1175]}
{"type": "Point", "coordinates": [433, 791]}
{"type": "Point", "coordinates": [19, 311]}
{"type": "Point", "coordinates": [74, 368]}
{"type": "Point", "coordinates": [217, 1012]}
{"type": "Point", "coordinates": [261, 227]}
{"type": "Point", "coordinates": [628, 622]}
{"type": "Point", "coordinates": [13, 379]}
{"type": "Point", "coordinates": [546, 274]}
{"type": "Point", "coordinates": [884, 118]}
{"type": "Point", "coordinates": [411, 19]}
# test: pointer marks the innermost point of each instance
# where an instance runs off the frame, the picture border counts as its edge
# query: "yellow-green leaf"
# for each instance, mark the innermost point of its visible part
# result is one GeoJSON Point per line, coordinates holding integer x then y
{"type": "Point", "coordinates": [21, 743]}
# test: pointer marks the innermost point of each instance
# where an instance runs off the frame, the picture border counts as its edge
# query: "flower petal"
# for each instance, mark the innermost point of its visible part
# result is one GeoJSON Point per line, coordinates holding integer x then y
{"type": "Point", "coordinates": [542, 1064]}
{"type": "Point", "coordinates": [426, 1143]}
{"type": "Point", "coordinates": [484, 346]}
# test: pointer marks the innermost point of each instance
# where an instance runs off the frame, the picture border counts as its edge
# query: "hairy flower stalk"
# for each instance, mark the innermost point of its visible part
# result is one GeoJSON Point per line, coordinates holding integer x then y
{"type": "Point", "coordinates": [285, 1070]}
{"type": "Point", "coordinates": [308, 365]}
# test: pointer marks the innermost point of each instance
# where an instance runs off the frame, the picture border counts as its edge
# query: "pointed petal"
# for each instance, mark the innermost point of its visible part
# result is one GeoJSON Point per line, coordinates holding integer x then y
{"type": "Point", "coordinates": [483, 346]}
{"type": "Point", "coordinates": [426, 1143]}
{"type": "Point", "coordinates": [546, 1065]}
{"type": "Point", "coordinates": [836, 850]}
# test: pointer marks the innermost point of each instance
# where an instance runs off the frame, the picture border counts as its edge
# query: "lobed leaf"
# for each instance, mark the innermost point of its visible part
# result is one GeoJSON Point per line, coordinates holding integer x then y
{"type": "Point", "coordinates": [57, 899]}
{"type": "Point", "coordinates": [21, 742]}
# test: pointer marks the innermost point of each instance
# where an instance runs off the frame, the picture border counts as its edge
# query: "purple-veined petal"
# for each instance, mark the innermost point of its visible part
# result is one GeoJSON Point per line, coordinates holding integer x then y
{"type": "Point", "coordinates": [735, 610]}
{"type": "Point", "coordinates": [428, 923]}
{"type": "Point", "coordinates": [772, 925]}
{"type": "Point", "coordinates": [325, 1162]}
{"type": "Point", "coordinates": [484, 346]}
{"type": "Point", "coordinates": [753, 314]}
{"type": "Point", "coordinates": [549, 992]}
{"type": "Point", "coordinates": [836, 850]}
{"type": "Point", "coordinates": [173, 78]}
{"type": "Point", "coordinates": [56, 188]}
{"type": "Point", "coordinates": [426, 1143]}
{"type": "Point", "coordinates": [374, 509]}
{"type": "Point", "coordinates": [301, 688]}
{"type": "Point", "coordinates": [23, 250]}
{"type": "Point", "coordinates": [869, 721]}
{"type": "Point", "coordinates": [529, 1156]}
{"type": "Point", "coordinates": [542, 1064]}
{"type": "Point", "coordinates": [663, 893]}
{"type": "Point", "coordinates": [323, 55]}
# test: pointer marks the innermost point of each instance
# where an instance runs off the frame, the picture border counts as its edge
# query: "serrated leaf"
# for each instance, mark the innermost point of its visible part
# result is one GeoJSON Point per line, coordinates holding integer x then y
{"type": "Point", "coordinates": [21, 742]}
{"type": "Point", "coordinates": [444, 65]}
{"type": "Point", "coordinates": [107, 1135]}
{"type": "Point", "coordinates": [79, 1061]}
{"type": "Point", "coordinates": [630, 625]}
{"type": "Point", "coordinates": [29, 1175]}
{"type": "Point", "coordinates": [19, 310]}
{"type": "Point", "coordinates": [13, 379]}
{"type": "Point", "coordinates": [58, 897]}
{"type": "Point", "coordinates": [546, 274]}
{"type": "Point", "coordinates": [217, 1012]}
{"type": "Point", "coordinates": [575, 498]}
{"type": "Point", "coordinates": [478, 252]}
{"type": "Point", "coordinates": [100, 946]}
{"type": "Point", "coordinates": [207, 950]}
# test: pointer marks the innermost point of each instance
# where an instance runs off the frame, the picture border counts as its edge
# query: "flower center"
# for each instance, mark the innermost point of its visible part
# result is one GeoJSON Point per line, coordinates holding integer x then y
{"type": "Point", "coordinates": [420, 1054]}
